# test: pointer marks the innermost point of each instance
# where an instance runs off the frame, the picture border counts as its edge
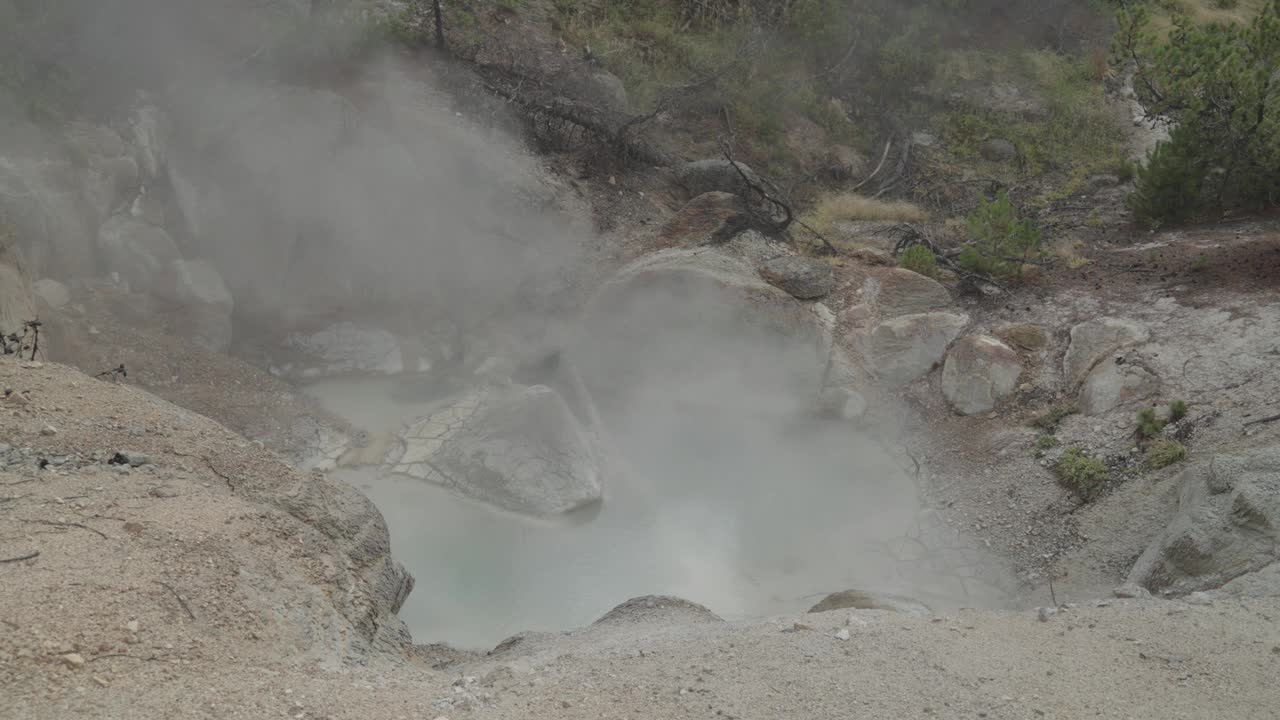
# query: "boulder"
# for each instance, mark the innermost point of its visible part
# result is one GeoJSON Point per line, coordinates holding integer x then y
{"type": "Point", "coordinates": [108, 183]}
{"type": "Point", "coordinates": [148, 128]}
{"type": "Point", "coordinates": [999, 150]}
{"type": "Point", "coordinates": [860, 600]}
{"type": "Point", "coordinates": [1112, 384]}
{"type": "Point", "coordinates": [52, 293]}
{"type": "Point", "coordinates": [651, 324]}
{"type": "Point", "coordinates": [518, 449]}
{"type": "Point", "coordinates": [903, 349]}
{"type": "Point", "coordinates": [346, 348]}
{"type": "Point", "coordinates": [803, 278]}
{"type": "Point", "coordinates": [709, 219]}
{"type": "Point", "coordinates": [1227, 524]}
{"type": "Point", "coordinates": [142, 254]}
{"type": "Point", "coordinates": [1094, 340]}
{"type": "Point", "coordinates": [979, 372]}
{"type": "Point", "coordinates": [1024, 336]}
{"type": "Point", "coordinates": [895, 292]}
{"type": "Point", "coordinates": [204, 301]}
{"type": "Point", "coordinates": [714, 175]}
{"type": "Point", "coordinates": [606, 89]}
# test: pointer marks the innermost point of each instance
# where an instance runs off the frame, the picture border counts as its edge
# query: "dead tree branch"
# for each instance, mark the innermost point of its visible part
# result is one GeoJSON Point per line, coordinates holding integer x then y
{"type": "Point", "coordinates": [1260, 421]}
{"type": "Point", "coordinates": [177, 597]}
{"type": "Point", "coordinates": [28, 556]}
{"type": "Point", "coordinates": [67, 524]}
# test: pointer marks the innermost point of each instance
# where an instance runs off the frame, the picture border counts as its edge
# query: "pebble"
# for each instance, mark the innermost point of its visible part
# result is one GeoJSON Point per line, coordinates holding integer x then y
{"type": "Point", "coordinates": [1045, 613]}
{"type": "Point", "coordinates": [102, 682]}
{"type": "Point", "coordinates": [48, 430]}
{"type": "Point", "coordinates": [132, 625]}
{"type": "Point", "coordinates": [73, 660]}
{"type": "Point", "coordinates": [842, 634]}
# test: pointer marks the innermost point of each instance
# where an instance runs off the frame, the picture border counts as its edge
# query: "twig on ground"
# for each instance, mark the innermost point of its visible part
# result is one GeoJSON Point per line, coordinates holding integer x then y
{"type": "Point", "coordinates": [177, 597]}
{"type": "Point", "coordinates": [1259, 421]}
{"type": "Point", "coordinates": [20, 559]}
{"type": "Point", "coordinates": [67, 524]}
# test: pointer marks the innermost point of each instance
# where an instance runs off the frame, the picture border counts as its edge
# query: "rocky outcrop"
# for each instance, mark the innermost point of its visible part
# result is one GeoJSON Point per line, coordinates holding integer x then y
{"type": "Point", "coordinates": [1112, 384]}
{"type": "Point", "coordinates": [141, 253]}
{"type": "Point", "coordinates": [658, 609]}
{"type": "Point", "coordinates": [903, 349]}
{"type": "Point", "coordinates": [17, 301]}
{"type": "Point", "coordinates": [1094, 340]}
{"type": "Point", "coordinates": [979, 372]}
{"type": "Point", "coordinates": [41, 202]}
{"type": "Point", "coordinates": [709, 219]}
{"type": "Point", "coordinates": [714, 175]}
{"type": "Point", "coordinates": [519, 449]}
{"type": "Point", "coordinates": [204, 302]}
{"type": "Point", "coordinates": [1227, 524]}
{"type": "Point", "coordinates": [52, 293]}
{"type": "Point", "coordinates": [803, 278]}
{"type": "Point", "coordinates": [860, 600]}
{"type": "Point", "coordinates": [895, 292]}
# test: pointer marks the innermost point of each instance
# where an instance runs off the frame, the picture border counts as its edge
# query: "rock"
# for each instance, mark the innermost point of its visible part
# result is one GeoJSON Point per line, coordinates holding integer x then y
{"type": "Point", "coordinates": [205, 302]}
{"type": "Point", "coordinates": [842, 634]}
{"type": "Point", "coordinates": [17, 299]}
{"type": "Point", "coordinates": [903, 349]}
{"type": "Point", "coordinates": [130, 458]}
{"type": "Point", "coordinates": [1024, 336]}
{"type": "Point", "coordinates": [872, 256]}
{"type": "Point", "coordinates": [87, 140]}
{"type": "Point", "coordinates": [658, 609]}
{"type": "Point", "coordinates": [108, 183]}
{"type": "Point", "coordinates": [48, 430]}
{"type": "Point", "coordinates": [148, 128]}
{"type": "Point", "coordinates": [674, 299]}
{"type": "Point", "coordinates": [860, 600]}
{"type": "Point", "coordinates": [75, 661]}
{"type": "Point", "coordinates": [845, 163]}
{"type": "Point", "coordinates": [1260, 583]}
{"type": "Point", "coordinates": [519, 449]}
{"type": "Point", "coordinates": [1096, 339]}
{"type": "Point", "coordinates": [709, 219]}
{"type": "Point", "coordinates": [132, 626]}
{"type": "Point", "coordinates": [714, 175]}
{"type": "Point", "coordinates": [139, 252]}
{"type": "Point", "coordinates": [999, 150]}
{"type": "Point", "coordinates": [349, 348]}
{"type": "Point", "coordinates": [802, 277]}
{"type": "Point", "coordinates": [895, 292]}
{"type": "Point", "coordinates": [1111, 385]}
{"type": "Point", "coordinates": [978, 373]}
{"type": "Point", "coordinates": [134, 528]}
{"type": "Point", "coordinates": [1227, 524]}
{"type": "Point", "coordinates": [607, 89]}
{"type": "Point", "coordinates": [53, 293]}
{"type": "Point", "coordinates": [1131, 591]}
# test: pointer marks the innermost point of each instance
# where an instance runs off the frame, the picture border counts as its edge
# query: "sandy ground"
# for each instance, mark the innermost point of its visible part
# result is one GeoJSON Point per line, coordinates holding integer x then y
{"type": "Point", "coordinates": [170, 590]}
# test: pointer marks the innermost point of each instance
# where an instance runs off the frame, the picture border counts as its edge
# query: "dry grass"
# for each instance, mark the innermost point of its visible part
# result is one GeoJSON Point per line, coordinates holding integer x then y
{"type": "Point", "coordinates": [1207, 11]}
{"type": "Point", "coordinates": [832, 210]}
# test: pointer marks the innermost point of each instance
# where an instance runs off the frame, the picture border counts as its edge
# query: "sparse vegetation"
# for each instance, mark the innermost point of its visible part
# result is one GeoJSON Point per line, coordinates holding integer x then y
{"type": "Point", "coordinates": [1082, 473]}
{"type": "Point", "coordinates": [1001, 244]}
{"type": "Point", "coordinates": [920, 259]}
{"type": "Point", "coordinates": [1051, 419]}
{"type": "Point", "coordinates": [830, 211]}
{"type": "Point", "coordinates": [1149, 424]}
{"type": "Point", "coordinates": [1164, 453]}
{"type": "Point", "coordinates": [1177, 410]}
{"type": "Point", "coordinates": [1045, 441]}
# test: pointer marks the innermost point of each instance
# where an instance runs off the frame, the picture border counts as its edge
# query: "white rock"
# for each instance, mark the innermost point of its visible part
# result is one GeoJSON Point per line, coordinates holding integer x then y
{"type": "Point", "coordinates": [842, 634]}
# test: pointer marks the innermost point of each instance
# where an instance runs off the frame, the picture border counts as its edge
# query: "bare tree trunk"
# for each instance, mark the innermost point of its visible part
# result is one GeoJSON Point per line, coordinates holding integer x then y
{"type": "Point", "coordinates": [437, 10]}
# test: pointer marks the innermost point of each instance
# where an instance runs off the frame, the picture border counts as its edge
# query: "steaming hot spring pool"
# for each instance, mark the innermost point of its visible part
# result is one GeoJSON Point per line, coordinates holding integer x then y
{"type": "Point", "coordinates": [723, 507]}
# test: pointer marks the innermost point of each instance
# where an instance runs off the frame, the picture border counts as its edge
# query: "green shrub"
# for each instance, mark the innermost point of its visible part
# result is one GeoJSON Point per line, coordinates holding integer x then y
{"type": "Point", "coordinates": [1045, 442]}
{"type": "Point", "coordinates": [920, 259]}
{"type": "Point", "coordinates": [1082, 473]}
{"type": "Point", "coordinates": [1177, 410]}
{"type": "Point", "coordinates": [1165, 453]}
{"type": "Point", "coordinates": [1149, 425]}
{"type": "Point", "coordinates": [1217, 83]}
{"type": "Point", "coordinates": [1000, 244]}
{"type": "Point", "coordinates": [1050, 421]}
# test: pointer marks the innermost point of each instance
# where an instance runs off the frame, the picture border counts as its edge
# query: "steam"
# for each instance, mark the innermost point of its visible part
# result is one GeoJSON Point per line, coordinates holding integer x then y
{"type": "Point", "coordinates": [369, 195]}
